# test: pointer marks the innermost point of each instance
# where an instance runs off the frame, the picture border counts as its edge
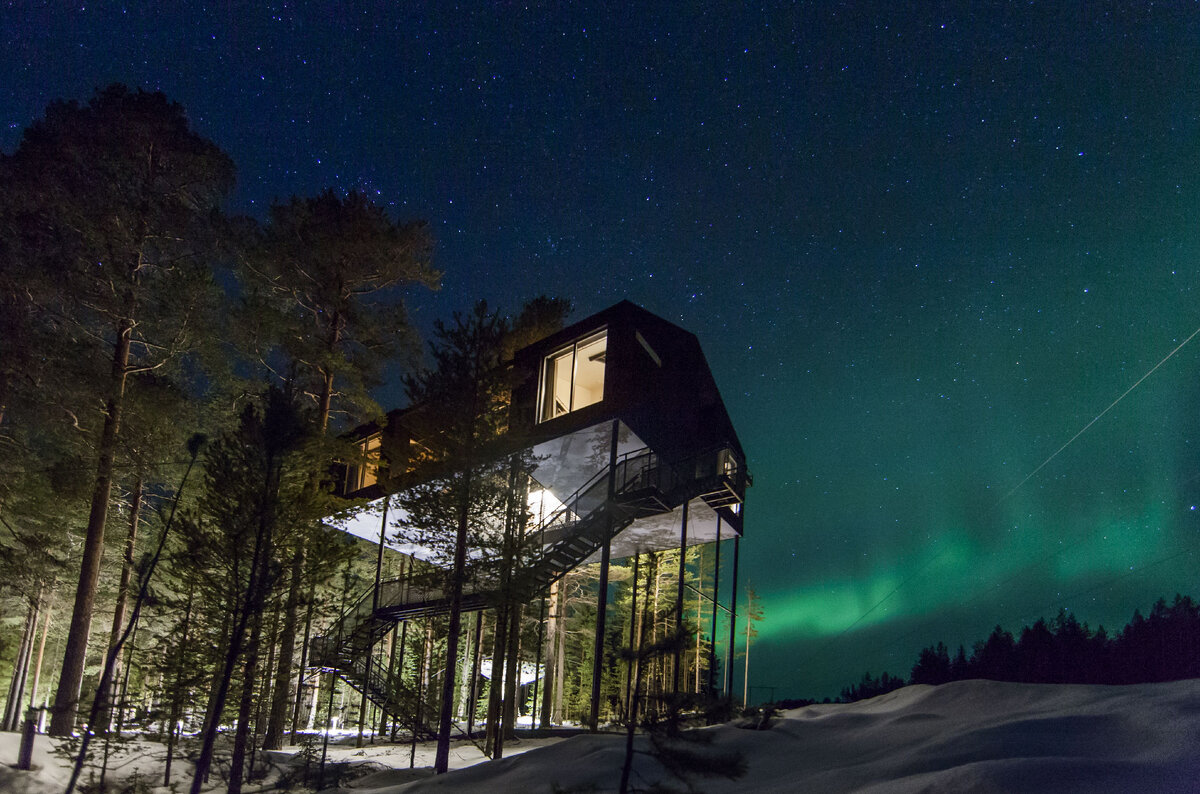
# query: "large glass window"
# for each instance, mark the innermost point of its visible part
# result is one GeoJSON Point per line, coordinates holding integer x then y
{"type": "Point", "coordinates": [367, 473]}
{"type": "Point", "coordinates": [573, 378]}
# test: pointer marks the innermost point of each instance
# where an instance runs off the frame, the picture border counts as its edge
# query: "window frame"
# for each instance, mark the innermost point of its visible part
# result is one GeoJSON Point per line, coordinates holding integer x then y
{"type": "Point", "coordinates": [356, 480]}
{"type": "Point", "coordinates": [546, 372]}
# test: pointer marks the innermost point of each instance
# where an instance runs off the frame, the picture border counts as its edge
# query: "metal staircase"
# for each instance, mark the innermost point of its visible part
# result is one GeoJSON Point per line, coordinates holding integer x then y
{"type": "Point", "coordinates": [641, 485]}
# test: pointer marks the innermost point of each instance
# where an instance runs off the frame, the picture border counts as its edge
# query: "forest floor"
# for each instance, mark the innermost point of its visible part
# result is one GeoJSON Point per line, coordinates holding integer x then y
{"type": "Point", "coordinates": [137, 765]}
{"type": "Point", "coordinates": [967, 736]}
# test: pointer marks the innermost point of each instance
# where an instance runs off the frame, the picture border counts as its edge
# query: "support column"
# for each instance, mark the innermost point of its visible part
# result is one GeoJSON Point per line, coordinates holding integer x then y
{"type": "Point", "coordinates": [473, 689]}
{"type": "Point", "coordinates": [598, 645]}
{"type": "Point", "coordinates": [363, 709]}
{"type": "Point", "coordinates": [552, 678]}
{"type": "Point", "coordinates": [679, 603]}
{"type": "Point", "coordinates": [712, 649]}
{"type": "Point", "coordinates": [602, 596]}
{"type": "Point", "coordinates": [732, 620]}
{"type": "Point", "coordinates": [512, 673]}
{"type": "Point", "coordinates": [537, 664]}
{"type": "Point", "coordinates": [379, 556]}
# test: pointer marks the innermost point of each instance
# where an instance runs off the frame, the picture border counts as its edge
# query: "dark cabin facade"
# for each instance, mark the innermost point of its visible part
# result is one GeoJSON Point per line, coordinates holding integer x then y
{"type": "Point", "coordinates": [635, 452]}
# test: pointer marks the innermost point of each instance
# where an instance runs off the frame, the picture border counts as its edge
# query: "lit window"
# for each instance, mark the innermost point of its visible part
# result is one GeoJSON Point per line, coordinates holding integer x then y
{"type": "Point", "coordinates": [367, 473]}
{"type": "Point", "coordinates": [728, 464]}
{"type": "Point", "coordinates": [573, 378]}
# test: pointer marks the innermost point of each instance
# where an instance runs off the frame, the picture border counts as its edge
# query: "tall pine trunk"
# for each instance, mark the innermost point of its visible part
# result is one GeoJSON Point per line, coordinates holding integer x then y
{"type": "Point", "coordinates": [251, 605]}
{"type": "Point", "coordinates": [264, 691]}
{"type": "Point", "coordinates": [560, 667]}
{"type": "Point", "coordinates": [314, 705]}
{"type": "Point", "coordinates": [419, 702]}
{"type": "Point", "coordinates": [241, 736]}
{"type": "Point", "coordinates": [458, 575]}
{"type": "Point", "coordinates": [473, 690]}
{"type": "Point", "coordinates": [400, 671]}
{"type": "Point", "coordinates": [119, 702]}
{"type": "Point", "coordinates": [70, 680]}
{"type": "Point", "coordinates": [16, 689]}
{"type": "Point", "coordinates": [549, 679]}
{"type": "Point", "coordinates": [177, 696]}
{"type": "Point", "coordinates": [494, 737]}
{"type": "Point", "coordinates": [515, 538]}
{"type": "Point", "coordinates": [308, 616]}
{"type": "Point", "coordinates": [37, 665]}
{"type": "Point", "coordinates": [464, 679]}
{"type": "Point", "coordinates": [118, 624]}
{"type": "Point", "coordinates": [512, 673]}
{"type": "Point", "coordinates": [277, 719]}
{"type": "Point", "coordinates": [224, 640]}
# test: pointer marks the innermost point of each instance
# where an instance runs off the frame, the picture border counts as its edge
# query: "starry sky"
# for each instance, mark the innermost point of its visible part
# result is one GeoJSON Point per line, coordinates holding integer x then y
{"type": "Point", "coordinates": [922, 248]}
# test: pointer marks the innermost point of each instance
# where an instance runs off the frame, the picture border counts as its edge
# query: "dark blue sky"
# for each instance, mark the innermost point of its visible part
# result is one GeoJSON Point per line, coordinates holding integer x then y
{"type": "Point", "coordinates": [922, 247]}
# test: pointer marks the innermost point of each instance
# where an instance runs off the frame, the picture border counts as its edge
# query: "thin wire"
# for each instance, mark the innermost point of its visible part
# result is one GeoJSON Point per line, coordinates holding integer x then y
{"type": "Point", "coordinates": [1113, 404]}
{"type": "Point", "coordinates": [1138, 571]}
{"type": "Point", "coordinates": [1028, 477]}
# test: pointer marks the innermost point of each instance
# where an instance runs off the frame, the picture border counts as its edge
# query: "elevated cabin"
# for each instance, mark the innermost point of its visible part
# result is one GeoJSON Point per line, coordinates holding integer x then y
{"type": "Point", "coordinates": [634, 452]}
{"type": "Point", "coordinates": [622, 370]}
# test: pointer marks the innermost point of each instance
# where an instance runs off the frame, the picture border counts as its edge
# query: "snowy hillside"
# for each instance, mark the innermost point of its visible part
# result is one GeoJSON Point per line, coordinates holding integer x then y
{"type": "Point", "coordinates": [969, 736]}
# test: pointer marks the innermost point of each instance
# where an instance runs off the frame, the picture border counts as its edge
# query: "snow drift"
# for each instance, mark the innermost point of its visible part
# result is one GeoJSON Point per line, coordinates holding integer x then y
{"type": "Point", "coordinates": [981, 736]}
{"type": "Point", "coordinates": [967, 736]}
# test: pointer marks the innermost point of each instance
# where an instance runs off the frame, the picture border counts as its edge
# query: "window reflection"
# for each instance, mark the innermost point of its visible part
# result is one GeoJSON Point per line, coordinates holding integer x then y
{"type": "Point", "coordinates": [366, 474]}
{"type": "Point", "coordinates": [573, 378]}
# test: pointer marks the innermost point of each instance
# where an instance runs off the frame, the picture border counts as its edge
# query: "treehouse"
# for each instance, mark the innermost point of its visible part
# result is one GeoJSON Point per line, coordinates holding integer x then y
{"type": "Point", "coordinates": [631, 450]}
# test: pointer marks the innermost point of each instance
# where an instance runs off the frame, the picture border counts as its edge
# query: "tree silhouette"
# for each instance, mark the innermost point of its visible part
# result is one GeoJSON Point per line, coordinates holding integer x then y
{"type": "Point", "coordinates": [255, 485]}
{"type": "Point", "coordinates": [325, 281]}
{"type": "Point", "coordinates": [932, 667]}
{"type": "Point", "coordinates": [118, 201]}
{"type": "Point", "coordinates": [464, 396]}
{"type": "Point", "coordinates": [1162, 647]}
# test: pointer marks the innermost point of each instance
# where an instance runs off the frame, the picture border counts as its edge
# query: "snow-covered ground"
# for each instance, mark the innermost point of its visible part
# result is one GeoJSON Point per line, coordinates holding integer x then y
{"type": "Point", "coordinates": [386, 764]}
{"type": "Point", "coordinates": [969, 736]}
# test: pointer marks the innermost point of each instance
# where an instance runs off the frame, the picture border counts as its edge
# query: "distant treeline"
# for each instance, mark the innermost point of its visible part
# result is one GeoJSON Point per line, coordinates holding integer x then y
{"type": "Point", "coordinates": [1165, 646]}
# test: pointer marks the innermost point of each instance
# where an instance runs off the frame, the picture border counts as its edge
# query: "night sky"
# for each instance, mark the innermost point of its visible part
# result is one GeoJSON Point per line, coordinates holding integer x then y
{"type": "Point", "coordinates": [922, 249]}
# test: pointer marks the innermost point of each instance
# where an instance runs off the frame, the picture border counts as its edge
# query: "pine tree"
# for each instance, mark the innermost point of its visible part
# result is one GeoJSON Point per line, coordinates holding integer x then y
{"type": "Point", "coordinates": [118, 200]}
{"type": "Point", "coordinates": [933, 666]}
{"type": "Point", "coordinates": [325, 281]}
{"type": "Point", "coordinates": [465, 401]}
{"type": "Point", "coordinates": [255, 482]}
{"type": "Point", "coordinates": [466, 495]}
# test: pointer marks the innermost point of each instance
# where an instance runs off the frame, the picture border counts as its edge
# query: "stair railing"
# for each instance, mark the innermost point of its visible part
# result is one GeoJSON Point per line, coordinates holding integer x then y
{"type": "Point", "coordinates": [636, 470]}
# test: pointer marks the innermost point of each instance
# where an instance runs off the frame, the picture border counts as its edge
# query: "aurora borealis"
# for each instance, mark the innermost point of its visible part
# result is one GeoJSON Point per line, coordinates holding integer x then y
{"type": "Point", "coordinates": [921, 247]}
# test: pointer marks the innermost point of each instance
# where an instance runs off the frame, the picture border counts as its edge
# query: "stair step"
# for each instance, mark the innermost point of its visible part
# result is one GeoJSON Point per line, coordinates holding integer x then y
{"type": "Point", "coordinates": [365, 626]}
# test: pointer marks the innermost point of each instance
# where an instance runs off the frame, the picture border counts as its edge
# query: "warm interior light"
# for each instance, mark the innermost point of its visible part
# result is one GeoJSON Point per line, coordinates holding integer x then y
{"type": "Point", "coordinates": [574, 378]}
{"type": "Point", "coordinates": [542, 504]}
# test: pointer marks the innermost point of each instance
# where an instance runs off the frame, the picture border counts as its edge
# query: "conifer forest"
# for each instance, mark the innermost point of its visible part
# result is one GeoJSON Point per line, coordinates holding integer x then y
{"type": "Point", "coordinates": [177, 385]}
{"type": "Point", "coordinates": [387, 389]}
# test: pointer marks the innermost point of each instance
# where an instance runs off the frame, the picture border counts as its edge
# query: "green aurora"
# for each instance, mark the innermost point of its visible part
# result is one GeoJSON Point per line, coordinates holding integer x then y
{"type": "Point", "coordinates": [922, 245]}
